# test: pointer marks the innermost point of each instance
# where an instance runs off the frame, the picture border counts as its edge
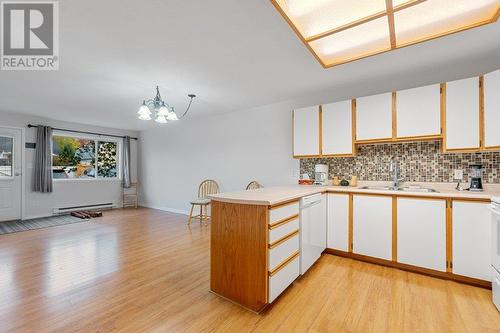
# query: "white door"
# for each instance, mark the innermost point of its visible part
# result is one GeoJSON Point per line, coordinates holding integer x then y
{"type": "Point", "coordinates": [492, 110]}
{"type": "Point", "coordinates": [306, 132]}
{"type": "Point", "coordinates": [422, 233]}
{"type": "Point", "coordinates": [374, 117]}
{"type": "Point", "coordinates": [472, 239]}
{"type": "Point", "coordinates": [337, 128]}
{"type": "Point", "coordinates": [418, 111]}
{"type": "Point", "coordinates": [338, 222]}
{"type": "Point", "coordinates": [372, 229]}
{"type": "Point", "coordinates": [10, 174]}
{"type": "Point", "coordinates": [462, 114]}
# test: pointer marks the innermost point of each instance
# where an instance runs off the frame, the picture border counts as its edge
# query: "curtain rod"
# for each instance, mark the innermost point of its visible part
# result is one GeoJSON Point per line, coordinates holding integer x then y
{"type": "Point", "coordinates": [82, 132]}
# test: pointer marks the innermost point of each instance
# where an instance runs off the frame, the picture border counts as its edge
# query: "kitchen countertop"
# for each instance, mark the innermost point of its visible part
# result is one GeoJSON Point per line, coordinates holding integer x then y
{"type": "Point", "coordinates": [271, 196]}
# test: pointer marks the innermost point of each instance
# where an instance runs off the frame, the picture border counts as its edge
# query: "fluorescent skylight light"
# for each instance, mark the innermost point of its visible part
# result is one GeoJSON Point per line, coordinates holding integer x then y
{"type": "Point", "coordinates": [339, 31]}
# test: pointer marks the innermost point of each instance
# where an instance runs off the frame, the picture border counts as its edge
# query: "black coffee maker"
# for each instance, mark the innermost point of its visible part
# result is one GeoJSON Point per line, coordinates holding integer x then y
{"type": "Point", "coordinates": [476, 183]}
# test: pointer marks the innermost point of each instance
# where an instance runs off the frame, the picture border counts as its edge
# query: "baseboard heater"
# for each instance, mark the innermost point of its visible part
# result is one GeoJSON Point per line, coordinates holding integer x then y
{"type": "Point", "coordinates": [64, 210]}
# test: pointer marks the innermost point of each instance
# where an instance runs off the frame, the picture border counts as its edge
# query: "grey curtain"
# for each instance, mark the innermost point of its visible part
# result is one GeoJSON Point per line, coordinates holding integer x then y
{"type": "Point", "coordinates": [126, 162]}
{"type": "Point", "coordinates": [42, 180]}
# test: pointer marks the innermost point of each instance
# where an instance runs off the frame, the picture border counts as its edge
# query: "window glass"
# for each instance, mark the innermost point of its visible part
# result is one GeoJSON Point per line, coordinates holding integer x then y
{"type": "Point", "coordinates": [6, 144]}
{"type": "Point", "coordinates": [107, 162]}
{"type": "Point", "coordinates": [73, 158]}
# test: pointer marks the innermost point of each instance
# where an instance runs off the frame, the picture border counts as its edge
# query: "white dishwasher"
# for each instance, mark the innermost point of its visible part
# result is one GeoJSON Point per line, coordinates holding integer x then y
{"type": "Point", "coordinates": [312, 229]}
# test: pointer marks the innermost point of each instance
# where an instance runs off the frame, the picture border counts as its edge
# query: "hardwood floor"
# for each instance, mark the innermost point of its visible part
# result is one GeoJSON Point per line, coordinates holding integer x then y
{"type": "Point", "coordinates": [146, 271]}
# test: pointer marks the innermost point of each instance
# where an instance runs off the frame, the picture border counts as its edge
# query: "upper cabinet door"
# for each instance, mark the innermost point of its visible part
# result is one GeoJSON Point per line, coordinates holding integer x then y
{"type": "Point", "coordinates": [306, 132]}
{"type": "Point", "coordinates": [492, 110]}
{"type": "Point", "coordinates": [462, 114]}
{"type": "Point", "coordinates": [337, 128]}
{"type": "Point", "coordinates": [418, 112]}
{"type": "Point", "coordinates": [374, 117]}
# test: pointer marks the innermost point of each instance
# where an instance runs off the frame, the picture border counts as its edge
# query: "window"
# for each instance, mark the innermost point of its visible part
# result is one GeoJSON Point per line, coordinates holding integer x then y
{"type": "Point", "coordinates": [6, 144]}
{"type": "Point", "coordinates": [84, 158]}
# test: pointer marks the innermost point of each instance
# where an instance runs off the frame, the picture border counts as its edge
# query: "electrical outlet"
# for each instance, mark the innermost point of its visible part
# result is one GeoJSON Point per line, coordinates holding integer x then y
{"type": "Point", "coordinates": [458, 174]}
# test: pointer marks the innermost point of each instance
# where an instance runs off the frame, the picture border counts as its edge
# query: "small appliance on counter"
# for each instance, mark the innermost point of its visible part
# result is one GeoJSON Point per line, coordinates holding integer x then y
{"type": "Point", "coordinates": [476, 183]}
{"type": "Point", "coordinates": [321, 174]}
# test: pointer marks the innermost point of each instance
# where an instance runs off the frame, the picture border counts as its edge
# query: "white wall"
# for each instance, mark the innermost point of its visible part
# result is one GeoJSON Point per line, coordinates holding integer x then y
{"type": "Point", "coordinates": [232, 148]}
{"type": "Point", "coordinates": [71, 192]}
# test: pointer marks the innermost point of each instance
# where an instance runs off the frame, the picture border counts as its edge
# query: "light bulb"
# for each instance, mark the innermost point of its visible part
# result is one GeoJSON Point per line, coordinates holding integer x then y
{"type": "Point", "coordinates": [172, 116]}
{"type": "Point", "coordinates": [163, 111]}
{"type": "Point", "coordinates": [144, 110]}
{"type": "Point", "coordinates": [161, 119]}
{"type": "Point", "coordinates": [144, 117]}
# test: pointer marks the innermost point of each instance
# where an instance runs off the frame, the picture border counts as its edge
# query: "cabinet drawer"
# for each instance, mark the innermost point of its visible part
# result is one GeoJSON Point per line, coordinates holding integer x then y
{"type": "Point", "coordinates": [283, 278]}
{"type": "Point", "coordinates": [283, 212]}
{"type": "Point", "coordinates": [283, 250]}
{"type": "Point", "coordinates": [282, 230]}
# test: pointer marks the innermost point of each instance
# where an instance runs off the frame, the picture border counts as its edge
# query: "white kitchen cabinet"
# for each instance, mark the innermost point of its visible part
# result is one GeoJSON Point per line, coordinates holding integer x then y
{"type": "Point", "coordinates": [421, 236]}
{"type": "Point", "coordinates": [337, 128]}
{"type": "Point", "coordinates": [462, 114]}
{"type": "Point", "coordinates": [374, 117]}
{"type": "Point", "coordinates": [372, 226]}
{"type": "Point", "coordinates": [306, 131]}
{"type": "Point", "coordinates": [338, 222]}
{"type": "Point", "coordinates": [471, 225]}
{"type": "Point", "coordinates": [418, 111]}
{"type": "Point", "coordinates": [492, 110]}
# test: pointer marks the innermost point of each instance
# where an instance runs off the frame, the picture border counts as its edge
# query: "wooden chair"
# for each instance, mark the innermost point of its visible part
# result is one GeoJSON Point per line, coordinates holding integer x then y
{"type": "Point", "coordinates": [130, 196]}
{"type": "Point", "coordinates": [253, 185]}
{"type": "Point", "coordinates": [206, 188]}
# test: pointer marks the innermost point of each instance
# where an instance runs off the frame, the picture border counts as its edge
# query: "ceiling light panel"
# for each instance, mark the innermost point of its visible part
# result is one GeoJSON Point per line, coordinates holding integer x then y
{"type": "Point", "coordinates": [339, 31]}
{"type": "Point", "coordinates": [314, 17]}
{"type": "Point", "coordinates": [358, 42]}
{"type": "Point", "coordinates": [434, 18]}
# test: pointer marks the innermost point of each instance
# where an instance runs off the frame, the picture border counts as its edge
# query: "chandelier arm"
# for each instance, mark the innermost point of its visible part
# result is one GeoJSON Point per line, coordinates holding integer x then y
{"type": "Point", "coordinates": [189, 106]}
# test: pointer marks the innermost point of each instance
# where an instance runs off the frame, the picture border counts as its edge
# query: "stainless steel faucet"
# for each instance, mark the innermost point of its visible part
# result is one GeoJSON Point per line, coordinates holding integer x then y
{"type": "Point", "coordinates": [394, 172]}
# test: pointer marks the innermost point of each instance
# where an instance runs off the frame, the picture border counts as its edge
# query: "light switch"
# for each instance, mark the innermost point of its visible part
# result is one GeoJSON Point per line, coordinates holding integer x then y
{"type": "Point", "coordinates": [458, 174]}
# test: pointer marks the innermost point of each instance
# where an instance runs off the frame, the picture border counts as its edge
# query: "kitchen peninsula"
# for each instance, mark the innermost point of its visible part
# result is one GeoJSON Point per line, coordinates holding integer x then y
{"type": "Point", "coordinates": [255, 248]}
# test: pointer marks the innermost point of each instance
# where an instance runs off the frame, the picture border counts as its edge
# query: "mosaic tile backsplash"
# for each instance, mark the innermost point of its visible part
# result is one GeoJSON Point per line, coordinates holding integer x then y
{"type": "Point", "coordinates": [418, 162]}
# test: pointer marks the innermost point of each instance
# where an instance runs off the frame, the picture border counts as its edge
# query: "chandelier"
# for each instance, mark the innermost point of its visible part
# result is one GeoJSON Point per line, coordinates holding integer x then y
{"type": "Point", "coordinates": [158, 110]}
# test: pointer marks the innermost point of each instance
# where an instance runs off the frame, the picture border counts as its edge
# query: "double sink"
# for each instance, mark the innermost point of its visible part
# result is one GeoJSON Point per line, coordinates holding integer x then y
{"type": "Point", "coordinates": [403, 189]}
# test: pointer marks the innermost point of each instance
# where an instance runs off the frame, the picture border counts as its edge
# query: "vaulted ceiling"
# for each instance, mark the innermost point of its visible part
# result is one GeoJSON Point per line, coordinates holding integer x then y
{"type": "Point", "coordinates": [233, 54]}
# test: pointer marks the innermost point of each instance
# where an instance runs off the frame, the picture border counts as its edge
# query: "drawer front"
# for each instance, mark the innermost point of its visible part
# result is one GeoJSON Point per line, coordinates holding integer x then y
{"type": "Point", "coordinates": [283, 230]}
{"type": "Point", "coordinates": [283, 212]}
{"type": "Point", "coordinates": [283, 278]}
{"type": "Point", "coordinates": [280, 253]}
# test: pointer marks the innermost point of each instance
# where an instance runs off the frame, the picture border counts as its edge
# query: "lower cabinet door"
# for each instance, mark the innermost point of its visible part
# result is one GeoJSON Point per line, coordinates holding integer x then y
{"type": "Point", "coordinates": [283, 278]}
{"type": "Point", "coordinates": [422, 232]}
{"type": "Point", "coordinates": [338, 222]}
{"type": "Point", "coordinates": [471, 225]}
{"type": "Point", "coordinates": [372, 226]}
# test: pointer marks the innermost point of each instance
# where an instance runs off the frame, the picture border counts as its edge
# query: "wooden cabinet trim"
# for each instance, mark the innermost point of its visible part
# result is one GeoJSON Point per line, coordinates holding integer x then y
{"type": "Point", "coordinates": [320, 132]}
{"type": "Point", "coordinates": [284, 264]}
{"type": "Point", "coordinates": [411, 268]}
{"type": "Point", "coordinates": [395, 228]}
{"type": "Point", "coordinates": [284, 203]}
{"type": "Point", "coordinates": [449, 235]}
{"type": "Point", "coordinates": [283, 239]}
{"type": "Point", "coordinates": [351, 223]}
{"type": "Point", "coordinates": [394, 116]}
{"type": "Point", "coordinates": [471, 199]}
{"type": "Point", "coordinates": [284, 221]}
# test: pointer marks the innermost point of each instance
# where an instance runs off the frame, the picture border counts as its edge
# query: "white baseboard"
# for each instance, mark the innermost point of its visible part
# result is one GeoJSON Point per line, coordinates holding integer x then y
{"type": "Point", "coordinates": [166, 209]}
